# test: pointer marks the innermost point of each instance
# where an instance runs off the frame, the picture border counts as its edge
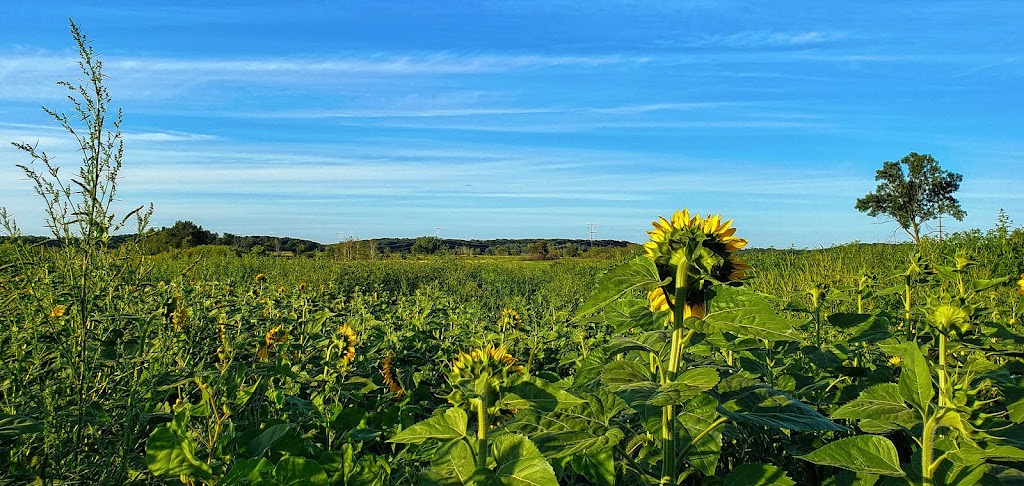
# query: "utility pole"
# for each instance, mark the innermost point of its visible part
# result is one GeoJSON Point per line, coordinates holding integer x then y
{"type": "Point", "coordinates": [591, 229]}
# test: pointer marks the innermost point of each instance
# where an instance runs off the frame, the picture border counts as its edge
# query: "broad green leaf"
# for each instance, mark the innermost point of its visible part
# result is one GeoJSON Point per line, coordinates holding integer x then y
{"type": "Point", "coordinates": [915, 378]}
{"type": "Point", "coordinates": [744, 312]}
{"type": "Point", "coordinates": [262, 443]}
{"type": "Point", "coordinates": [702, 379]}
{"type": "Point", "coordinates": [621, 345]}
{"type": "Point", "coordinates": [297, 471]}
{"type": "Point", "coordinates": [695, 418]}
{"type": "Point", "coordinates": [870, 454]}
{"type": "Point", "coordinates": [454, 461]}
{"type": "Point", "coordinates": [569, 442]}
{"type": "Point", "coordinates": [630, 313]}
{"type": "Point", "coordinates": [881, 402]}
{"type": "Point", "coordinates": [172, 453]}
{"type": "Point", "coordinates": [862, 327]}
{"type": "Point", "coordinates": [640, 273]}
{"type": "Point", "coordinates": [625, 374]}
{"type": "Point", "coordinates": [519, 463]}
{"type": "Point", "coordinates": [761, 405]}
{"type": "Point", "coordinates": [538, 394]}
{"type": "Point", "coordinates": [981, 285]}
{"type": "Point", "coordinates": [758, 475]}
{"type": "Point", "coordinates": [688, 385]}
{"type": "Point", "coordinates": [449, 425]}
{"type": "Point", "coordinates": [13, 426]}
{"type": "Point", "coordinates": [597, 465]}
{"type": "Point", "coordinates": [246, 471]}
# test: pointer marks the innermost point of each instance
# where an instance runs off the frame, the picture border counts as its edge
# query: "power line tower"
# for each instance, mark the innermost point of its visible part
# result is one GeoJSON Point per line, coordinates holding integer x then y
{"type": "Point", "coordinates": [940, 228]}
{"type": "Point", "coordinates": [591, 229]}
{"type": "Point", "coordinates": [437, 231]}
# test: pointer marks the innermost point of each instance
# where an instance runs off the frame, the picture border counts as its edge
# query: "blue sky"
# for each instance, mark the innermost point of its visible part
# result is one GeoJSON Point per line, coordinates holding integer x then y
{"type": "Point", "coordinates": [528, 119]}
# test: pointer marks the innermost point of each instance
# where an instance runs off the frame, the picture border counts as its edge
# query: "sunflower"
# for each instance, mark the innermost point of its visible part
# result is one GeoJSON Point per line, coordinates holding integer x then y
{"type": "Point", "coordinates": [390, 378]}
{"type": "Point", "coordinates": [349, 336]}
{"type": "Point", "coordinates": [510, 319]}
{"type": "Point", "coordinates": [58, 310]}
{"type": "Point", "coordinates": [275, 336]}
{"type": "Point", "coordinates": [1020, 285]}
{"type": "Point", "coordinates": [260, 278]}
{"type": "Point", "coordinates": [482, 374]}
{"type": "Point", "coordinates": [696, 250]}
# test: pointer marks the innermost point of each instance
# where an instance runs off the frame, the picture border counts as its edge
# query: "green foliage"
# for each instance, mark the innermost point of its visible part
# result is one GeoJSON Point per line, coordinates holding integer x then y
{"type": "Point", "coordinates": [911, 197]}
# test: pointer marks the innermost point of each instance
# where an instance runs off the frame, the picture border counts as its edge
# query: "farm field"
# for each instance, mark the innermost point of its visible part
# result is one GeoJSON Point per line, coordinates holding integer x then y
{"type": "Point", "coordinates": [209, 368]}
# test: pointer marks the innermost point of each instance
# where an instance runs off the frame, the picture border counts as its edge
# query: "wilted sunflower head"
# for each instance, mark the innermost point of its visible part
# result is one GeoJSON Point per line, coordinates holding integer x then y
{"type": "Point", "coordinates": [482, 373]}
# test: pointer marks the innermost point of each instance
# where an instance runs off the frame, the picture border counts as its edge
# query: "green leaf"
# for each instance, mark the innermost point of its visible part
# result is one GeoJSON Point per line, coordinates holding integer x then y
{"type": "Point", "coordinates": [621, 345]}
{"type": "Point", "coordinates": [262, 443]}
{"type": "Point", "coordinates": [454, 461]}
{"type": "Point", "coordinates": [13, 426]}
{"type": "Point", "coordinates": [758, 475]}
{"type": "Point", "coordinates": [915, 378]}
{"type": "Point", "coordinates": [597, 465]}
{"type": "Point", "coordinates": [640, 273]}
{"type": "Point", "coordinates": [688, 385]}
{"type": "Point", "coordinates": [449, 425]}
{"type": "Point", "coordinates": [702, 379]}
{"type": "Point", "coordinates": [246, 471]}
{"type": "Point", "coordinates": [863, 327]}
{"type": "Point", "coordinates": [625, 374]}
{"type": "Point", "coordinates": [870, 454]}
{"type": "Point", "coordinates": [519, 463]}
{"type": "Point", "coordinates": [980, 285]}
{"type": "Point", "coordinates": [297, 471]}
{"type": "Point", "coordinates": [538, 394]}
{"type": "Point", "coordinates": [764, 406]}
{"type": "Point", "coordinates": [881, 402]}
{"type": "Point", "coordinates": [695, 418]}
{"type": "Point", "coordinates": [744, 312]}
{"type": "Point", "coordinates": [630, 313]}
{"type": "Point", "coordinates": [172, 453]}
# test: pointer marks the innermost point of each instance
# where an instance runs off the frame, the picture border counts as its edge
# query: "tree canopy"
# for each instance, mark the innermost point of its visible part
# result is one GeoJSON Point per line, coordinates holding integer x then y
{"type": "Point", "coordinates": [913, 191]}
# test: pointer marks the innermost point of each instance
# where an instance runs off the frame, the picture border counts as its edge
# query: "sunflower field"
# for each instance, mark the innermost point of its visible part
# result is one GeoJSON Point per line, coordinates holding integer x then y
{"type": "Point", "coordinates": [685, 365]}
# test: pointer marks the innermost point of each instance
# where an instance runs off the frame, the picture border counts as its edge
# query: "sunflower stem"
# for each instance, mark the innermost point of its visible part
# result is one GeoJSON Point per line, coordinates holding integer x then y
{"type": "Point", "coordinates": [668, 422]}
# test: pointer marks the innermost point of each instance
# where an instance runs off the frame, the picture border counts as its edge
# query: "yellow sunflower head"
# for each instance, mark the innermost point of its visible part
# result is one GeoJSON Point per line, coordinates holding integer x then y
{"type": "Point", "coordinates": [387, 370]}
{"type": "Point", "coordinates": [58, 310]}
{"type": "Point", "coordinates": [275, 336]}
{"type": "Point", "coordinates": [1020, 285]}
{"type": "Point", "coordinates": [700, 250]}
{"type": "Point", "coordinates": [260, 278]}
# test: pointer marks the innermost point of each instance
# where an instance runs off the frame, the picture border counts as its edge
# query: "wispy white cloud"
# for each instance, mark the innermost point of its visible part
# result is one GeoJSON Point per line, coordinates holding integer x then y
{"type": "Point", "coordinates": [767, 38]}
{"type": "Point", "coordinates": [168, 137]}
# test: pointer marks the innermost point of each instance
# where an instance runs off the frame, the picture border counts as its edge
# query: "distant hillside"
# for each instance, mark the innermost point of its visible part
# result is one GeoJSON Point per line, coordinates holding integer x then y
{"type": "Point", "coordinates": [186, 234]}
